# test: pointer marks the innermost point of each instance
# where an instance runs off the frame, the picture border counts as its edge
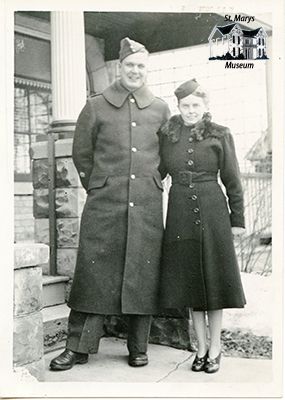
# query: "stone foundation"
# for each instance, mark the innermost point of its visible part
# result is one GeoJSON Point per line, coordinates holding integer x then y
{"type": "Point", "coordinates": [69, 202]}
{"type": "Point", "coordinates": [28, 323]}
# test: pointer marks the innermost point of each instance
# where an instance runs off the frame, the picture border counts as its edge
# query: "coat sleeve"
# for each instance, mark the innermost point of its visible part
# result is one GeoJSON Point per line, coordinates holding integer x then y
{"type": "Point", "coordinates": [162, 169]}
{"type": "Point", "coordinates": [82, 150]}
{"type": "Point", "coordinates": [230, 176]}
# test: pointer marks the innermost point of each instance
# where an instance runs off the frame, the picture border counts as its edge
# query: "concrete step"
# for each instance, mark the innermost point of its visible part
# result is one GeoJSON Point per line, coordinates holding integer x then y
{"type": "Point", "coordinates": [54, 290]}
{"type": "Point", "coordinates": [55, 327]}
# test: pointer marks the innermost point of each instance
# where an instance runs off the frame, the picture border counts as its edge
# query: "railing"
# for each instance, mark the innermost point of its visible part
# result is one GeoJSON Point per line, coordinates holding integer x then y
{"type": "Point", "coordinates": [252, 254]}
{"type": "Point", "coordinates": [258, 203]}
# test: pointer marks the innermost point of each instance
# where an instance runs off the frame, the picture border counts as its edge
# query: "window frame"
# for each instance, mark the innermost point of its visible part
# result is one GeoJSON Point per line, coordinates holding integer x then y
{"type": "Point", "coordinates": [29, 85]}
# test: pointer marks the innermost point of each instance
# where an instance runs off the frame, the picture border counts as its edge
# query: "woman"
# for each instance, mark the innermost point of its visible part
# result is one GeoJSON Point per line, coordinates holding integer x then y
{"type": "Point", "coordinates": [199, 266]}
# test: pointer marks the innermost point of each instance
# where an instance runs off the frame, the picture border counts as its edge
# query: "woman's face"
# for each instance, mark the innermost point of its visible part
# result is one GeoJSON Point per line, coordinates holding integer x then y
{"type": "Point", "coordinates": [192, 109]}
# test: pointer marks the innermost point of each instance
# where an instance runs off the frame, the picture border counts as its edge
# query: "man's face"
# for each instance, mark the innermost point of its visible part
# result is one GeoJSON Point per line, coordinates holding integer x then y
{"type": "Point", "coordinates": [134, 70]}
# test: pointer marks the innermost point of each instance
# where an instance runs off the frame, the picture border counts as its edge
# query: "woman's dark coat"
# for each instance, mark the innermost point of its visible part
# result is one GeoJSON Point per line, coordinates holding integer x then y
{"type": "Point", "coordinates": [116, 153]}
{"type": "Point", "coordinates": [199, 266]}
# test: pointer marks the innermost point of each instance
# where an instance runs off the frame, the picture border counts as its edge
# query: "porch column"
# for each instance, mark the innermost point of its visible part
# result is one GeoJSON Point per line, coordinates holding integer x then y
{"type": "Point", "coordinates": [54, 196]}
{"type": "Point", "coordinates": [68, 68]}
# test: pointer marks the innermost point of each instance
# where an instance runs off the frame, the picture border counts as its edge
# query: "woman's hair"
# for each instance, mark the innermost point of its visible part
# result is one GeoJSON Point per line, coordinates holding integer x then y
{"type": "Point", "coordinates": [201, 92]}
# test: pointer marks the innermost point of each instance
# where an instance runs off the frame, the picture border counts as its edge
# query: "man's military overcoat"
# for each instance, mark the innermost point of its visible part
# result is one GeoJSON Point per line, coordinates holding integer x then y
{"type": "Point", "coordinates": [199, 267]}
{"type": "Point", "coordinates": [116, 153]}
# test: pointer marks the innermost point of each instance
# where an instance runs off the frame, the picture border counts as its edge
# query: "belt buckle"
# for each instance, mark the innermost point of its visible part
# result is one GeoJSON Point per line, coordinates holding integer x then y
{"type": "Point", "coordinates": [185, 177]}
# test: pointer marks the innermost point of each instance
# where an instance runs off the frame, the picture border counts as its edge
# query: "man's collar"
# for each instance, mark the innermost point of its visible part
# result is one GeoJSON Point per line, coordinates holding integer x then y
{"type": "Point", "coordinates": [116, 94]}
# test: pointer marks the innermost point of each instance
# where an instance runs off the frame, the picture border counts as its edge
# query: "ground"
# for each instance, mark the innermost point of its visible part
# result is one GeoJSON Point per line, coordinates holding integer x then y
{"type": "Point", "coordinates": [166, 364]}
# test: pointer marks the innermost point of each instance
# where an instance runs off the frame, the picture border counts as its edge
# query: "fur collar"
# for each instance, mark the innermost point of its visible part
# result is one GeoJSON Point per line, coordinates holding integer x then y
{"type": "Point", "coordinates": [200, 131]}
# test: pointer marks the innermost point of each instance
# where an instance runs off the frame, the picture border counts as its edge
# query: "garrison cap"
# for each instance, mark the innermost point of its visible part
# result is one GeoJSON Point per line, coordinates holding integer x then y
{"type": "Point", "coordinates": [186, 88]}
{"type": "Point", "coordinates": [129, 46]}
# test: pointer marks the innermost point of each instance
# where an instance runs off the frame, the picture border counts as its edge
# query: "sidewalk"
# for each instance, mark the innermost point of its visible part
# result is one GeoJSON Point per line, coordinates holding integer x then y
{"type": "Point", "coordinates": [166, 364]}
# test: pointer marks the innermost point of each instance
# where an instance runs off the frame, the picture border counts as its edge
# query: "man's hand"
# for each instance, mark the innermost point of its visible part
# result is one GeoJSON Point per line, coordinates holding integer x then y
{"type": "Point", "coordinates": [237, 231]}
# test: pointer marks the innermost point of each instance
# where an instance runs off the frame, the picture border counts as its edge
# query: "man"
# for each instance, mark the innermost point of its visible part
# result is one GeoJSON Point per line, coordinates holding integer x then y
{"type": "Point", "coordinates": [116, 153]}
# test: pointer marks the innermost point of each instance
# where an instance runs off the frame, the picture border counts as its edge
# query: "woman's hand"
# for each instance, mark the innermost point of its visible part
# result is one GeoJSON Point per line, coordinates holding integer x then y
{"type": "Point", "coordinates": [237, 231]}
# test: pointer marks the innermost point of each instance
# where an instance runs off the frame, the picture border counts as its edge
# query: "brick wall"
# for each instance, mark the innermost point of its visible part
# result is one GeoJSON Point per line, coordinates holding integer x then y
{"type": "Point", "coordinates": [23, 218]}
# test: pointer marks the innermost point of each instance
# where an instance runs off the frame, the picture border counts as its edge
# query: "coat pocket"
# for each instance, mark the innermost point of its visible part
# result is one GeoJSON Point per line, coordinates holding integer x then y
{"type": "Point", "coordinates": [97, 181]}
{"type": "Point", "coordinates": [158, 182]}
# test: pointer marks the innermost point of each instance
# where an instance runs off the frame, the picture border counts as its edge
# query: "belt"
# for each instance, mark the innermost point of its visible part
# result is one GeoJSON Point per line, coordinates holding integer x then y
{"type": "Point", "coordinates": [187, 177]}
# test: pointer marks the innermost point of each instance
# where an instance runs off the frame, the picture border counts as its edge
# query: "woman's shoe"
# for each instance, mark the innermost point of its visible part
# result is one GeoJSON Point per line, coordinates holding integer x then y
{"type": "Point", "coordinates": [199, 363]}
{"type": "Point", "coordinates": [213, 365]}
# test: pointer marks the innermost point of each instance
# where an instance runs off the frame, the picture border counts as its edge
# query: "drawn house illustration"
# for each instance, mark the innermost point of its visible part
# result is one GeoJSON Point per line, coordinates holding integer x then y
{"type": "Point", "coordinates": [230, 41]}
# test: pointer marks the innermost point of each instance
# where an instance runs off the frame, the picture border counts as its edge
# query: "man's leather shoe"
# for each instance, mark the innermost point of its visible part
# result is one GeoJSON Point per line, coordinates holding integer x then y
{"type": "Point", "coordinates": [213, 365]}
{"type": "Point", "coordinates": [138, 360]}
{"type": "Point", "coordinates": [67, 359]}
{"type": "Point", "coordinates": [199, 363]}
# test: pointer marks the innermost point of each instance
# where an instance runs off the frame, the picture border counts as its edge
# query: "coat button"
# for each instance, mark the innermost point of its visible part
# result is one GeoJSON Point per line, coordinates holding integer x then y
{"type": "Point", "coordinates": [134, 149]}
{"type": "Point", "coordinates": [133, 176]}
{"type": "Point", "coordinates": [196, 210]}
{"type": "Point", "coordinates": [82, 174]}
{"type": "Point", "coordinates": [197, 222]}
{"type": "Point", "coordinates": [190, 162]}
{"type": "Point", "coordinates": [194, 197]}
{"type": "Point", "coordinates": [190, 151]}
{"type": "Point", "coordinates": [190, 139]}
{"type": "Point", "coordinates": [132, 100]}
{"type": "Point", "coordinates": [131, 204]}
{"type": "Point", "coordinates": [134, 124]}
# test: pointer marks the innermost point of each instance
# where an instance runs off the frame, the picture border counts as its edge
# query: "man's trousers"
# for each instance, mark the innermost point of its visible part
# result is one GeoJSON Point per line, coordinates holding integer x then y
{"type": "Point", "coordinates": [85, 331]}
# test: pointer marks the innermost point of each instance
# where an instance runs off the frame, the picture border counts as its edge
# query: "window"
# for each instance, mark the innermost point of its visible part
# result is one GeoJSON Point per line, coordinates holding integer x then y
{"type": "Point", "coordinates": [32, 116]}
{"type": "Point", "coordinates": [234, 38]}
{"type": "Point", "coordinates": [234, 51]}
{"type": "Point", "coordinates": [238, 39]}
{"type": "Point", "coordinates": [32, 98]}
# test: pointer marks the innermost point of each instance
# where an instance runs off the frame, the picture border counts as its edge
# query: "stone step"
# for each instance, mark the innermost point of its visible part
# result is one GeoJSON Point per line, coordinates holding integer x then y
{"type": "Point", "coordinates": [54, 290]}
{"type": "Point", "coordinates": [55, 327]}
